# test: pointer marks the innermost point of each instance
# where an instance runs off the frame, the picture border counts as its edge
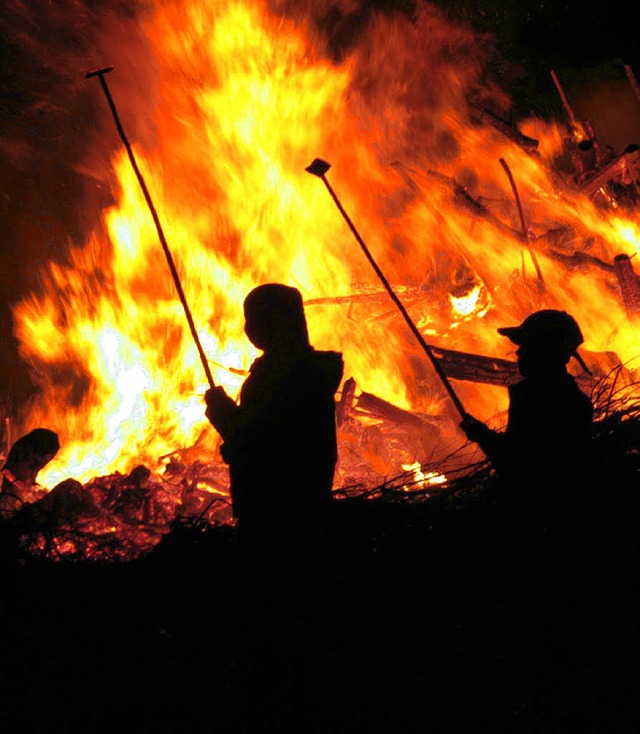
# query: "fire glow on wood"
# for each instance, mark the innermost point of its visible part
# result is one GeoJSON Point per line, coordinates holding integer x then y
{"type": "Point", "coordinates": [420, 152]}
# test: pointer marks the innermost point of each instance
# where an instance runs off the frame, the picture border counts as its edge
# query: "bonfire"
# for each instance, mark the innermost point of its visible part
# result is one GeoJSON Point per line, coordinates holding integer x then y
{"type": "Point", "coordinates": [476, 216]}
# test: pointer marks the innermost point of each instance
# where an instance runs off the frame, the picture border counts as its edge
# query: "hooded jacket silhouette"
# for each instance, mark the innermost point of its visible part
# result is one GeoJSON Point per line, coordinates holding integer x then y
{"type": "Point", "coordinates": [280, 439]}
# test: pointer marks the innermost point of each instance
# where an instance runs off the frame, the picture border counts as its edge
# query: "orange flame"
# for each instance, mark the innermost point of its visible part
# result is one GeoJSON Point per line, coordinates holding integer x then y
{"type": "Point", "coordinates": [246, 99]}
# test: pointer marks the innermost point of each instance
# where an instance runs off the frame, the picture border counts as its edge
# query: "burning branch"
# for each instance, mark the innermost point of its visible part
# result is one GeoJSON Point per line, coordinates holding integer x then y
{"type": "Point", "coordinates": [573, 122]}
{"type": "Point", "coordinates": [632, 79]}
{"type": "Point", "coordinates": [527, 144]}
{"type": "Point", "coordinates": [525, 231]}
{"type": "Point", "coordinates": [629, 284]}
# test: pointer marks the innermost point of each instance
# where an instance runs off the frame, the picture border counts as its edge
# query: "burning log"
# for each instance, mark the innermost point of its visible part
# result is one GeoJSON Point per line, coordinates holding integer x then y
{"type": "Point", "coordinates": [629, 284]}
{"type": "Point", "coordinates": [576, 260]}
{"type": "Point", "coordinates": [476, 368]}
{"type": "Point", "coordinates": [502, 372]}
{"type": "Point", "coordinates": [346, 400]}
{"type": "Point", "coordinates": [375, 406]}
{"type": "Point", "coordinates": [530, 145]}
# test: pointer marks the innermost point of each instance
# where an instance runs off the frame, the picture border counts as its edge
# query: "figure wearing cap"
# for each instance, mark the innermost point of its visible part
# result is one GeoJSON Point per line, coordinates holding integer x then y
{"type": "Point", "coordinates": [545, 526]}
{"type": "Point", "coordinates": [546, 441]}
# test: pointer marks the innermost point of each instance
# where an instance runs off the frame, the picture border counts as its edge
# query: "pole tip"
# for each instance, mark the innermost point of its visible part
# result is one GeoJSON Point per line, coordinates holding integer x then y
{"type": "Point", "coordinates": [318, 167]}
{"type": "Point", "coordinates": [98, 72]}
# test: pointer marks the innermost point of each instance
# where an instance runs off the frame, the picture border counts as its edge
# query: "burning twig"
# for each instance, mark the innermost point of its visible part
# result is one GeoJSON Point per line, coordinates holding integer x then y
{"type": "Point", "coordinates": [632, 79]}
{"type": "Point", "coordinates": [525, 231]}
{"type": "Point", "coordinates": [100, 73]}
{"type": "Point", "coordinates": [565, 102]}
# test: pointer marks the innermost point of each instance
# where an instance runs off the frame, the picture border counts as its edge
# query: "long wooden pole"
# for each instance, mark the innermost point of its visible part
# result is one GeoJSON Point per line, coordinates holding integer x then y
{"type": "Point", "coordinates": [319, 168]}
{"type": "Point", "coordinates": [156, 219]}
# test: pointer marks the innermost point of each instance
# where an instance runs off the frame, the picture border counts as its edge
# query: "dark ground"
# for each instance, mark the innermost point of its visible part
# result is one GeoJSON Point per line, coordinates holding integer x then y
{"type": "Point", "coordinates": [417, 630]}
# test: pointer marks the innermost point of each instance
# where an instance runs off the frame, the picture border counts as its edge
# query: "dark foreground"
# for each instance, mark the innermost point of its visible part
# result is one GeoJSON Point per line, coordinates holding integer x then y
{"type": "Point", "coordinates": [418, 629]}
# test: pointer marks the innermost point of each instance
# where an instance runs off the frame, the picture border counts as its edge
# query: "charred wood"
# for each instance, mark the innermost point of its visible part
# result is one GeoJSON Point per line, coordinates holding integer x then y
{"type": "Point", "coordinates": [346, 400]}
{"type": "Point", "coordinates": [528, 144]}
{"type": "Point", "coordinates": [629, 284]}
{"type": "Point", "coordinates": [477, 368]}
{"type": "Point", "coordinates": [580, 261]}
{"type": "Point", "coordinates": [380, 408]}
{"type": "Point", "coordinates": [625, 170]}
{"type": "Point", "coordinates": [502, 372]}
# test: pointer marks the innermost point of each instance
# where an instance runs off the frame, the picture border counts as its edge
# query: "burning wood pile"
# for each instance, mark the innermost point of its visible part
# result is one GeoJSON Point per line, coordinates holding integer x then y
{"type": "Point", "coordinates": [478, 220]}
{"type": "Point", "coordinates": [119, 518]}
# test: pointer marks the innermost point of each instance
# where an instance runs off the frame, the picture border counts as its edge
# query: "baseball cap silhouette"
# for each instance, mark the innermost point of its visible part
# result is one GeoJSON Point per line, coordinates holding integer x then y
{"type": "Point", "coordinates": [550, 330]}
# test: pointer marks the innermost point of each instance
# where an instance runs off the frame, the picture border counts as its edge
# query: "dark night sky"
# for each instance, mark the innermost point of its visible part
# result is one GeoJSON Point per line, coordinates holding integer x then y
{"type": "Point", "coordinates": [49, 120]}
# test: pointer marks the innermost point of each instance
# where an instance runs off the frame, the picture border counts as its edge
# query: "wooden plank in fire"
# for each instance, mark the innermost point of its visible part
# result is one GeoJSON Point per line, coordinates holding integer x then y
{"type": "Point", "coordinates": [629, 284]}
{"type": "Point", "coordinates": [530, 145]}
{"type": "Point", "coordinates": [375, 407]}
{"type": "Point", "coordinates": [380, 408]}
{"type": "Point", "coordinates": [463, 366]}
{"type": "Point", "coordinates": [476, 368]}
{"type": "Point", "coordinates": [503, 372]}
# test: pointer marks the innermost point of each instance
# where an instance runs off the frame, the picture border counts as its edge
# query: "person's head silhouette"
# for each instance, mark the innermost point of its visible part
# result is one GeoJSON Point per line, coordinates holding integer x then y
{"type": "Point", "coordinates": [546, 342]}
{"type": "Point", "coordinates": [274, 318]}
{"type": "Point", "coordinates": [32, 452]}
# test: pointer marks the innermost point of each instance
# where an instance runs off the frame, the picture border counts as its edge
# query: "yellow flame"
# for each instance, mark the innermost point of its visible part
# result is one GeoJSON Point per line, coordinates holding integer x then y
{"type": "Point", "coordinates": [246, 99]}
{"type": "Point", "coordinates": [422, 479]}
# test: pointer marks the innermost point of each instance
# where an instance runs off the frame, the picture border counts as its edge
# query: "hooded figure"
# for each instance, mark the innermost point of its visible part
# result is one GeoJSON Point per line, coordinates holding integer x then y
{"type": "Point", "coordinates": [280, 440]}
{"type": "Point", "coordinates": [280, 444]}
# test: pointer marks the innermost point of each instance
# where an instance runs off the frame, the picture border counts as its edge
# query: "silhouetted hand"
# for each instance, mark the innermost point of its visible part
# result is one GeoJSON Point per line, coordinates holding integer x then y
{"type": "Point", "coordinates": [220, 409]}
{"type": "Point", "coordinates": [475, 430]}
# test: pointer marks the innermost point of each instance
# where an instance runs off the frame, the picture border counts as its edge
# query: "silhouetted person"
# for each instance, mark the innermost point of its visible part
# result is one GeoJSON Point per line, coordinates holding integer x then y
{"type": "Point", "coordinates": [27, 456]}
{"type": "Point", "coordinates": [548, 433]}
{"type": "Point", "coordinates": [545, 508]}
{"type": "Point", "coordinates": [280, 440]}
{"type": "Point", "coordinates": [280, 444]}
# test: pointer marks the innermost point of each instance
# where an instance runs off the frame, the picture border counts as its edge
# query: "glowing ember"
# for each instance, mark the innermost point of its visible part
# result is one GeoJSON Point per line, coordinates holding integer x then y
{"type": "Point", "coordinates": [422, 479]}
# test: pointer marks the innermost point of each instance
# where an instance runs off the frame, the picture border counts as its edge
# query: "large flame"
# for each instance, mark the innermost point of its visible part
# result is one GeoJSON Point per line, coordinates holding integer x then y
{"type": "Point", "coordinates": [246, 98]}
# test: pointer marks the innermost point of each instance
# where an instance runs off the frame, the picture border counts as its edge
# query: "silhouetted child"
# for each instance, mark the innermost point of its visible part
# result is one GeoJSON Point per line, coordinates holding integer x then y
{"type": "Point", "coordinates": [545, 508]}
{"type": "Point", "coordinates": [280, 444]}
{"type": "Point", "coordinates": [280, 440]}
{"type": "Point", "coordinates": [542, 458]}
{"type": "Point", "coordinates": [27, 456]}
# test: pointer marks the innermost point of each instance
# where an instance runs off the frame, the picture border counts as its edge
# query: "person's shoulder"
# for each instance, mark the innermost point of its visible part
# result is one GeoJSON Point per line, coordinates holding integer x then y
{"type": "Point", "coordinates": [330, 364]}
{"type": "Point", "coordinates": [323, 368]}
